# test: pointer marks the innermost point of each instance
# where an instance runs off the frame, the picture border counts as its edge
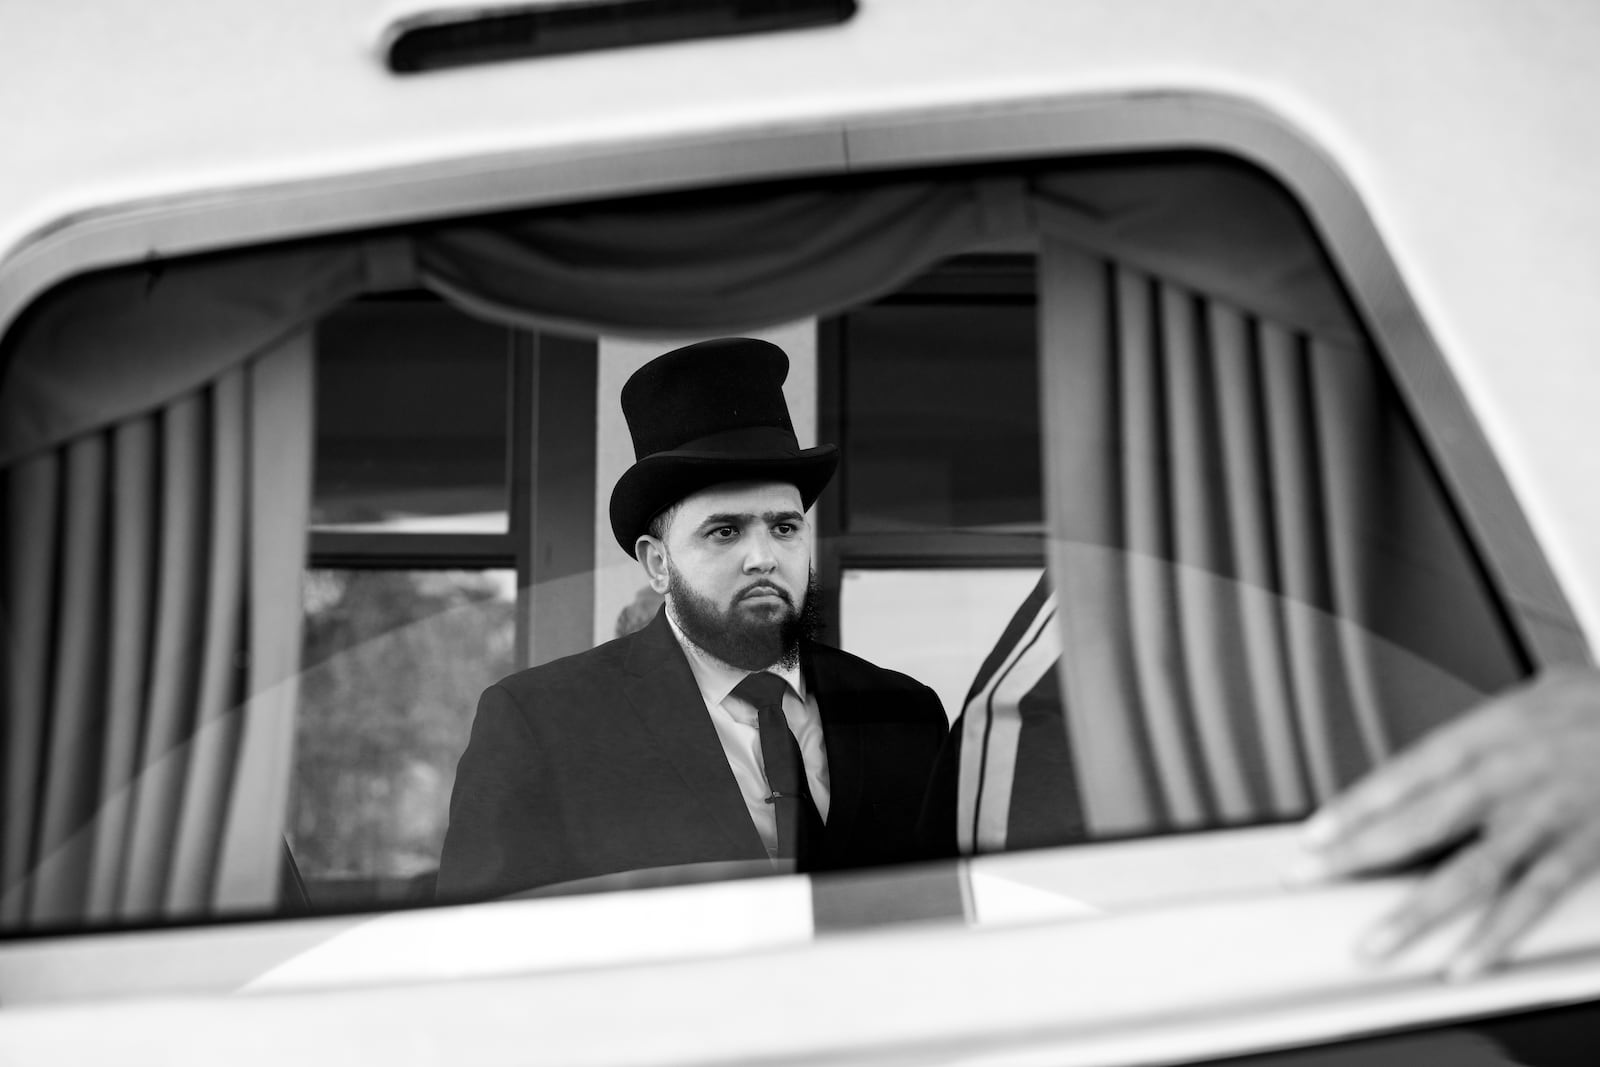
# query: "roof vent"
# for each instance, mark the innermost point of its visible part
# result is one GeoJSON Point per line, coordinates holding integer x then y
{"type": "Point", "coordinates": [436, 40]}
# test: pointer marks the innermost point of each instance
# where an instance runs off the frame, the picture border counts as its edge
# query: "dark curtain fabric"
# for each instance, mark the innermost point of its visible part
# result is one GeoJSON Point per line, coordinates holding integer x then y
{"type": "Point", "coordinates": [690, 264]}
{"type": "Point", "coordinates": [1250, 561]}
{"type": "Point", "coordinates": [668, 265]}
{"type": "Point", "coordinates": [151, 640]}
{"type": "Point", "coordinates": [697, 265]}
{"type": "Point", "coordinates": [1221, 230]}
{"type": "Point", "coordinates": [120, 343]}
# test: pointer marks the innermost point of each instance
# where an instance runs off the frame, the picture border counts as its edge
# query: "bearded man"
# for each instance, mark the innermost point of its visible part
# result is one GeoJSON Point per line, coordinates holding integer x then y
{"type": "Point", "coordinates": [721, 733]}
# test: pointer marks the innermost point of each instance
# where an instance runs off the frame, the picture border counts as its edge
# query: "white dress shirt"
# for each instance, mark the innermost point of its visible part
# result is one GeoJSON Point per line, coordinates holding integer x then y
{"type": "Point", "coordinates": [735, 721]}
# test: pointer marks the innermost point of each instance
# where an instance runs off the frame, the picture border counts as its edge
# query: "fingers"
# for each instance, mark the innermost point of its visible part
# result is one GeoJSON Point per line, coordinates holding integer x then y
{"type": "Point", "coordinates": [1516, 876]}
{"type": "Point", "coordinates": [1520, 772]}
{"type": "Point", "coordinates": [1439, 759]}
{"type": "Point", "coordinates": [1423, 819]}
{"type": "Point", "coordinates": [1425, 798]}
{"type": "Point", "coordinates": [1468, 880]}
{"type": "Point", "coordinates": [1547, 881]}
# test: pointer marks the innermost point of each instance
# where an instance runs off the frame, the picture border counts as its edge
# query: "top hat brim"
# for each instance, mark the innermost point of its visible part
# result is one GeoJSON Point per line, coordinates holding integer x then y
{"type": "Point", "coordinates": [661, 480]}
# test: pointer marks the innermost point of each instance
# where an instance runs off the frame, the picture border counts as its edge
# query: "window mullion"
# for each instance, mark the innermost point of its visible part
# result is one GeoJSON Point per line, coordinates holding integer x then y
{"type": "Point", "coordinates": [522, 378]}
{"type": "Point", "coordinates": [361, 549]}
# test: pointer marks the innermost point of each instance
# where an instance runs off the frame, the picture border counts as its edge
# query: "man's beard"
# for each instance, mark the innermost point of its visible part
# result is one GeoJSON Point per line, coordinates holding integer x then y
{"type": "Point", "coordinates": [751, 644]}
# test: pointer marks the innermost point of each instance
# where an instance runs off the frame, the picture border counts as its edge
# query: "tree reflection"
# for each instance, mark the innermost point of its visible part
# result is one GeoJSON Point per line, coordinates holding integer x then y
{"type": "Point", "coordinates": [393, 662]}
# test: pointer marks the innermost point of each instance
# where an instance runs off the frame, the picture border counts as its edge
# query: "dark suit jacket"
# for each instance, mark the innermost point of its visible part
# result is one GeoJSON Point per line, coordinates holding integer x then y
{"type": "Point", "coordinates": [606, 761]}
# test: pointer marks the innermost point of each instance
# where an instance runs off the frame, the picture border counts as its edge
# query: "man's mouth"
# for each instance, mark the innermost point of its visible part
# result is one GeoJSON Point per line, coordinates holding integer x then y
{"type": "Point", "coordinates": [765, 589]}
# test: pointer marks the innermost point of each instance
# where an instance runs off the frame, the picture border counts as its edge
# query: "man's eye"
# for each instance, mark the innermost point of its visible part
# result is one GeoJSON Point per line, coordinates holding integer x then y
{"type": "Point", "coordinates": [723, 533]}
{"type": "Point", "coordinates": [785, 529]}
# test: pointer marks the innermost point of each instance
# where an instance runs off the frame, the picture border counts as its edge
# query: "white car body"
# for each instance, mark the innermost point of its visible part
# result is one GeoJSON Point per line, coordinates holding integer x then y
{"type": "Point", "coordinates": [1447, 151]}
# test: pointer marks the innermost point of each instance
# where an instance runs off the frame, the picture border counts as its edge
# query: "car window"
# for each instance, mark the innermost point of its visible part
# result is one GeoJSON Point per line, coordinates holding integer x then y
{"type": "Point", "coordinates": [1123, 480]}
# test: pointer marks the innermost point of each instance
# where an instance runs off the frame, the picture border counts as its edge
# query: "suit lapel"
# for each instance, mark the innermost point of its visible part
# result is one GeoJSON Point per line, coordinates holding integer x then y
{"type": "Point", "coordinates": [662, 690]}
{"type": "Point", "coordinates": [841, 736]}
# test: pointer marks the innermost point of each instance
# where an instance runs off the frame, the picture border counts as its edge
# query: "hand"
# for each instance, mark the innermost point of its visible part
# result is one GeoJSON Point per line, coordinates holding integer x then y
{"type": "Point", "coordinates": [1515, 783]}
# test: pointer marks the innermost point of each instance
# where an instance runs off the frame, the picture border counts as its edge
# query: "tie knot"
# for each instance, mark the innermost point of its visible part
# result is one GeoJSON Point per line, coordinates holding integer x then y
{"type": "Point", "coordinates": [762, 689]}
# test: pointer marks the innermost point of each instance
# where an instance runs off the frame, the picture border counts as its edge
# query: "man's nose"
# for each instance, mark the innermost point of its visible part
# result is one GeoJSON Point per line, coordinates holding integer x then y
{"type": "Point", "coordinates": [759, 558]}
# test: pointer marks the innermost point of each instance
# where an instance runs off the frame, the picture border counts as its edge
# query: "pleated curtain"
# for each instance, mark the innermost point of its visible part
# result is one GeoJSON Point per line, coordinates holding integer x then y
{"type": "Point", "coordinates": [1255, 589]}
{"type": "Point", "coordinates": [153, 633]}
{"type": "Point", "coordinates": [1218, 689]}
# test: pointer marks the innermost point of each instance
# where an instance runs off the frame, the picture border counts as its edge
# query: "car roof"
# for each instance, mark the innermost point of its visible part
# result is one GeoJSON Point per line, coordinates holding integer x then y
{"type": "Point", "coordinates": [219, 124]}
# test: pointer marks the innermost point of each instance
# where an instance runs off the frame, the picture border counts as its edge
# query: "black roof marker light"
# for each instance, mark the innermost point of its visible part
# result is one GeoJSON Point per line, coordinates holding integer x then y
{"type": "Point", "coordinates": [457, 38]}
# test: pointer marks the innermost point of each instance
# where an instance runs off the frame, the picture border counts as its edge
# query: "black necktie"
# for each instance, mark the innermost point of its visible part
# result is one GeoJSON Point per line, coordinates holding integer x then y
{"type": "Point", "coordinates": [799, 824]}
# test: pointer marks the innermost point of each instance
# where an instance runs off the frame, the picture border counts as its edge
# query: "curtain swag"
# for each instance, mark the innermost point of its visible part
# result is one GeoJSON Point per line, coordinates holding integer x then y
{"type": "Point", "coordinates": [687, 264]}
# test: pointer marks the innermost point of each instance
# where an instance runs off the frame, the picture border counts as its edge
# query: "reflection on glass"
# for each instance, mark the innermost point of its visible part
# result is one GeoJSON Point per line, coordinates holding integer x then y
{"type": "Point", "coordinates": [393, 664]}
{"type": "Point", "coordinates": [935, 624]}
{"type": "Point", "coordinates": [412, 420]}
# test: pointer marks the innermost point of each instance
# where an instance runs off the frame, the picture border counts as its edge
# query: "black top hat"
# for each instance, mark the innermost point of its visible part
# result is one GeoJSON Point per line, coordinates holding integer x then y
{"type": "Point", "coordinates": [707, 413]}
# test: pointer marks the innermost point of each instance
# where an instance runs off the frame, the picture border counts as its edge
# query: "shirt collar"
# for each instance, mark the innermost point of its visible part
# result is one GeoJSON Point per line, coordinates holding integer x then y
{"type": "Point", "coordinates": [716, 679]}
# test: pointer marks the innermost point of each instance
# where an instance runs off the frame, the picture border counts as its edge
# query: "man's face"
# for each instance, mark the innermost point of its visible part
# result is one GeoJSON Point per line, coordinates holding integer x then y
{"type": "Point", "coordinates": [735, 565]}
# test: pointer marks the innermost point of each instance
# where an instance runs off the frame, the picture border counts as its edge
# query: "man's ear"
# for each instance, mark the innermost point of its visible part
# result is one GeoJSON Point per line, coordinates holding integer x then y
{"type": "Point", "coordinates": [652, 556]}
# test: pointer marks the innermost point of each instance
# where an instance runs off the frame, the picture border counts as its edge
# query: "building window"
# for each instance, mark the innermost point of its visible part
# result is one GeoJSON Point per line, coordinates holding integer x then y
{"type": "Point", "coordinates": [934, 526]}
{"type": "Point", "coordinates": [430, 573]}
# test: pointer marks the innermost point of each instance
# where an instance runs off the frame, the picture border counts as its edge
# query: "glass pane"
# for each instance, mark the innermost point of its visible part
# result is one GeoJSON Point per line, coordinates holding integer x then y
{"type": "Point", "coordinates": [1249, 616]}
{"type": "Point", "coordinates": [412, 419]}
{"type": "Point", "coordinates": [393, 663]}
{"type": "Point", "coordinates": [935, 624]}
{"type": "Point", "coordinates": [941, 418]}
{"type": "Point", "coordinates": [1258, 589]}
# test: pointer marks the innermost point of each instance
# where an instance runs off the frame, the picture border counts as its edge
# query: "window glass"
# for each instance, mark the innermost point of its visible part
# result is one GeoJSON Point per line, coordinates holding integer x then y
{"type": "Point", "coordinates": [934, 623]}
{"type": "Point", "coordinates": [940, 415]}
{"type": "Point", "coordinates": [413, 418]}
{"type": "Point", "coordinates": [392, 665]}
{"type": "Point", "coordinates": [1187, 554]}
{"type": "Point", "coordinates": [1242, 509]}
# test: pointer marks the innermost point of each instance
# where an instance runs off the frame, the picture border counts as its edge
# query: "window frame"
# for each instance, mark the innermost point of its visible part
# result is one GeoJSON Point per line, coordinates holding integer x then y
{"type": "Point", "coordinates": [841, 549]}
{"type": "Point", "coordinates": [1519, 570]}
{"type": "Point", "coordinates": [545, 509]}
{"type": "Point", "coordinates": [1035, 988]}
{"type": "Point", "coordinates": [385, 550]}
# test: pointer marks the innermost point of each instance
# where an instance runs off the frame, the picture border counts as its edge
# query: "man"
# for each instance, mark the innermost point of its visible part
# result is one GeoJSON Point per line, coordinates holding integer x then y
{"type": "Point", "coordinates": [721, 731]}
